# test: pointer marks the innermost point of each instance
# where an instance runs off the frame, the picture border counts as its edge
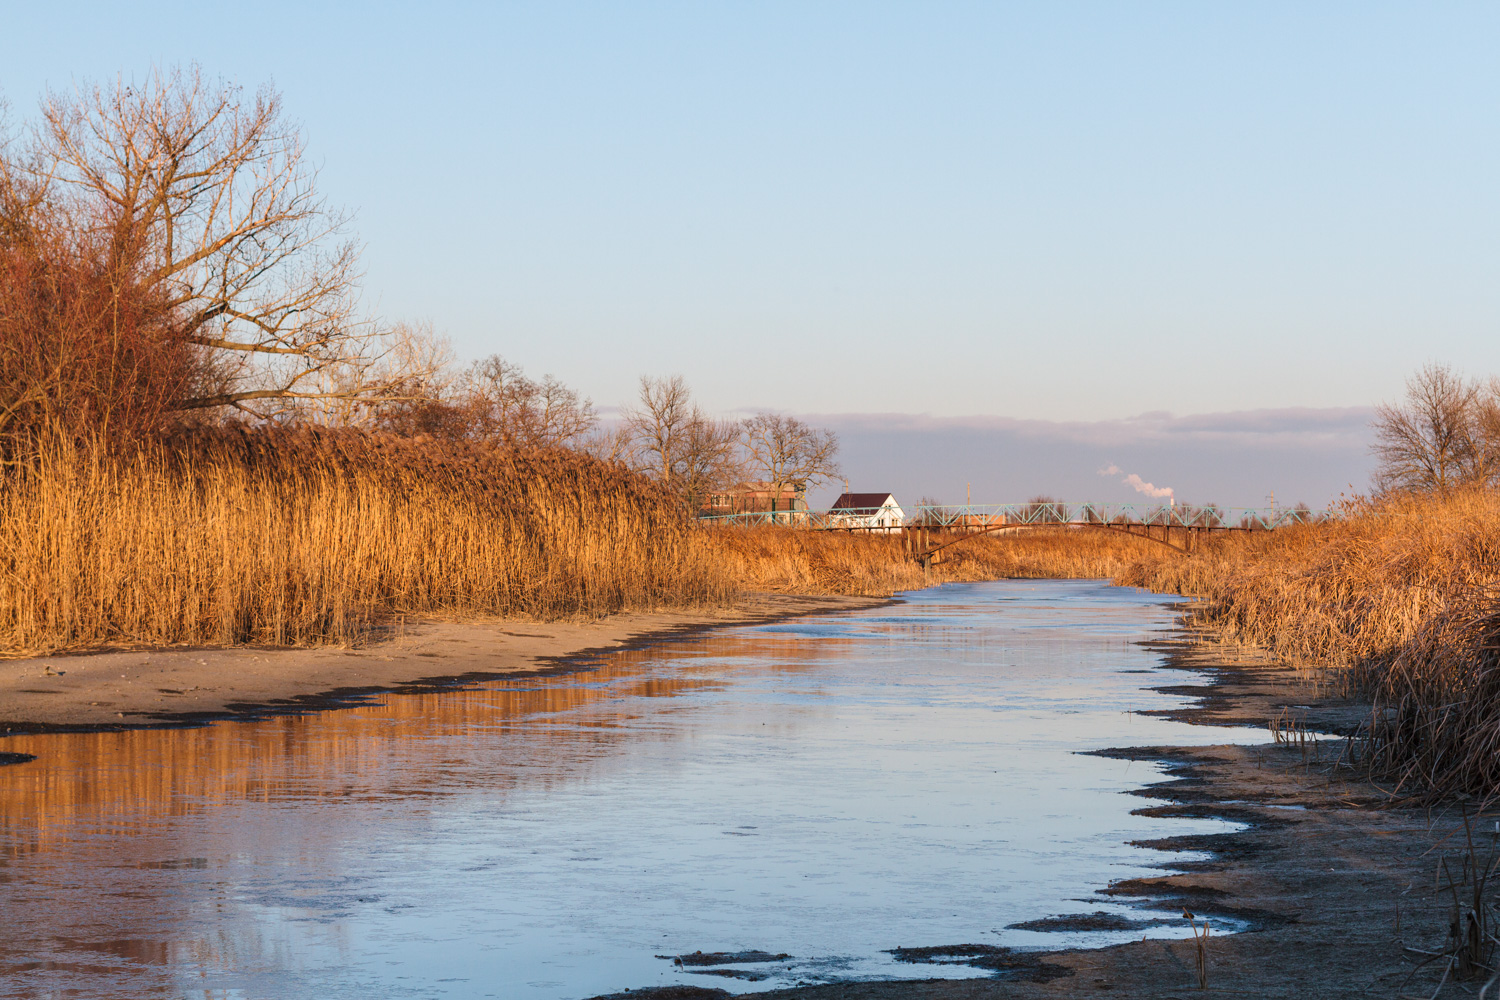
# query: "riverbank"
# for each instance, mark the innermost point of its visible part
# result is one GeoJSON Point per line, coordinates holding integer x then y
{"type": "Point", "coordinates": [186, 686]}
{"type": "Point", "coordinates": [1331, 883]}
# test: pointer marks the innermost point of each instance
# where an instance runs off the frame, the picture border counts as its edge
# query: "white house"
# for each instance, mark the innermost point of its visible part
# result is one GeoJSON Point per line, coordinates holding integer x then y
{"type": "Point", "coordinates": [877, 512]}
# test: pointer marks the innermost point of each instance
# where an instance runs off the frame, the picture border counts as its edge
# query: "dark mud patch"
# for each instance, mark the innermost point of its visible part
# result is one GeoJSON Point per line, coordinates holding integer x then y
{"type": "Point", "coordinates": [1177, 758]}
{"type": "Point", "coordinates": [1222, 846]}
{"type": "Point", "coordinates": [745, 975]}
{"type": "Point", "coordinates": [701, 958]}
{"type": "Point", "coordinates": [1214, 810]}
{"type": "Point", "coordinates": [1096, 921]}
{"type": "Point", "coordinates": [1006, 963]}
{"type": "Point", "coordinates": [717, 963]}
{"type": "Point", "coordinates": [1197, 900]}
{"type": "Point", "coordinates": [1192, 794]}
{"type": "Point", "coordinates": [666, 993]}
{"type": "Point", "coordinates": [1149, 887]}
{"type": "Point", "coordinates": [1180, 790]}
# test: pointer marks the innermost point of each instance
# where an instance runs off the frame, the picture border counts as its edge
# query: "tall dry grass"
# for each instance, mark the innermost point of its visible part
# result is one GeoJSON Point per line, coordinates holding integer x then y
{"type": "Point", "coordinates": [1339, 594]}
{"type": "Point", "coordinates": [1399, 600]}
{"type": "Point", "coordinates": [833, 562]}
{"type": "Point", "coordinates": [290, 537]}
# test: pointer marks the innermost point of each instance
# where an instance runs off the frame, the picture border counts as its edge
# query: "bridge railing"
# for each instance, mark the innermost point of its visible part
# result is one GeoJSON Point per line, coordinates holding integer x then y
{"type": "Point", "coordinates": [980, 517]}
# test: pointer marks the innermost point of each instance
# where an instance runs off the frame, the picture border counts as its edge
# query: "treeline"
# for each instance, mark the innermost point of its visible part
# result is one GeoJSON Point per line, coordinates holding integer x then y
{"type": "Point", "coordinates": [664, 435]}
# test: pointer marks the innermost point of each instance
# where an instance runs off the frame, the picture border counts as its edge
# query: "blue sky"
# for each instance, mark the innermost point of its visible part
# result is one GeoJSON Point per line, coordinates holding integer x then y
{"type": "Point", "coordinates": [1045, 212]}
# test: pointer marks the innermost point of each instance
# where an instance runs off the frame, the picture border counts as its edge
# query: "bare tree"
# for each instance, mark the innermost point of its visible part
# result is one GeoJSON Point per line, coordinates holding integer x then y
{"type": "Point", "coordinates": [415, 367]}
{"type": "Point", "coordinates": [1438, 437]}
{"type": "Point", "coordinates": [491, 401]}
{"type": "Point", "coordinates": [789, 453]}
{"type": "Point", "coordinates": [674, 441]}
{"type": "Point", "coordinates": [609, 443]}
{"type": "Point", "coordinates": [213, 189]}
{"type": "Point", "coordinates": [520, 412]}
{"type": "Point", "coordinates": [85, 347]}
{"type": "Point", "coordinates": [710, 458]}
{"type": "Point", "coordinates": [1484, 432]}
{"type": "Point", "coordinates": [659, 425]}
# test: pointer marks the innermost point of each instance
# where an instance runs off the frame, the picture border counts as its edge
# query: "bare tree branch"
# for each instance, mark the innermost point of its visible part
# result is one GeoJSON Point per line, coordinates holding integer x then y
{"type": "Point", "coordinates": [789, 452]}
{"type": "Point", "coordinates": [213, 188]}
{"type": "Point", "coordinates": [1444, 434]}
{"type": "Point", "coordinates": [676, 443]}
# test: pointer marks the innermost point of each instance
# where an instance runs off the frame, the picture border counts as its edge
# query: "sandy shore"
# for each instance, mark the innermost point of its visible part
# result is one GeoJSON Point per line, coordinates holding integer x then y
{"type": "Point", "coordinates": [184, 686]}
{"type": "Point", "coordinates": [1334, 885]}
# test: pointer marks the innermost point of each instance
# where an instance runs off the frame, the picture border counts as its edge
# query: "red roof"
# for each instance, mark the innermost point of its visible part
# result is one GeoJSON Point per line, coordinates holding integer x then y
{"type": "Point", "coordinates": [862, 501]}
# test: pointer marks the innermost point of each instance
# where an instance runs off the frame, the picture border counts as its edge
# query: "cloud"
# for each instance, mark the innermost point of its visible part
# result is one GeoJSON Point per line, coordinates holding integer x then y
{"type": "Point", "coordinates": [1298, 427]}
{"type": "Point", "coordinates": [1234, 459]}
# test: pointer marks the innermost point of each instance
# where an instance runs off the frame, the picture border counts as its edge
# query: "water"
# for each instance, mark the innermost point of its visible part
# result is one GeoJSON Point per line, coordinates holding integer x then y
{"type": "Point", "coordinates": [826, 788]}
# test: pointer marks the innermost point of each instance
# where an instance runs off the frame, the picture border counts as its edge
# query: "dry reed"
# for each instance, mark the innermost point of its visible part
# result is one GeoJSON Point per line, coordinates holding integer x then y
{"type": "Point", "coordinates": [834, 562]}
{"type": "Point", "coordinates": [225, 536]}
{"type": "Point", "coordinates": [1398, 600]}
{"type": "Point", "coordinates": [291, 537]}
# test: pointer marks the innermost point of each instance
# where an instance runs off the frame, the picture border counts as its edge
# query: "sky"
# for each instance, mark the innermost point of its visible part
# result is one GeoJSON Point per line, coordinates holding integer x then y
{"type": "Point", "coordinates": [950, 224]}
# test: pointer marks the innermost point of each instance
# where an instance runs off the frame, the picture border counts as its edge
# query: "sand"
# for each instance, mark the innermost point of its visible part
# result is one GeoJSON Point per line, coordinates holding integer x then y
{"type": "Point", "coordinates": [144, 687]}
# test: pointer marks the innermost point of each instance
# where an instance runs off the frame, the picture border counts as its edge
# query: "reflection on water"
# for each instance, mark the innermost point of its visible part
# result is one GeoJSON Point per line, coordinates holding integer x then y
{"type": "Point", "coordinates": [827, 789]}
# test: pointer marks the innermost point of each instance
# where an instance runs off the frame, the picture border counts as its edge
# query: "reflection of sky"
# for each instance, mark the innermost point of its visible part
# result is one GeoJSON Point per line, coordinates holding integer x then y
{"type": "Point", "coordinates": [827, 788]}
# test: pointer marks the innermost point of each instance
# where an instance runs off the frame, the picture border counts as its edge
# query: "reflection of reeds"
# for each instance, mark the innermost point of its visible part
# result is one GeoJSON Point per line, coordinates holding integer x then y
{"type": "Point", "coordinates": [300, 536]}
{"type": "Point", "coordinates": [1399, 600]}
{"type": "Point", "coordinates": [561, 725]}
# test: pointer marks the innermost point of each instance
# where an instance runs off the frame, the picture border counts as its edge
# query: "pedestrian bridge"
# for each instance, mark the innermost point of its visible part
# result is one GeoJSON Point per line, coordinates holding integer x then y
{"type": "Point", "coordinates": [927, 530]}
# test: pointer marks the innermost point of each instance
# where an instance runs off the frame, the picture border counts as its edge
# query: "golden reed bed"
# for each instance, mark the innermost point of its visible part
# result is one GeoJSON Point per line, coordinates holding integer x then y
{"type": "Point", "coordinates": [295, 537]}
{"type": "Point", "coordinates": [1396, 602]}
{"type": "Point", "coordinates": [834, 562]}
{"type": "Point", "coordinates": [226, 536]}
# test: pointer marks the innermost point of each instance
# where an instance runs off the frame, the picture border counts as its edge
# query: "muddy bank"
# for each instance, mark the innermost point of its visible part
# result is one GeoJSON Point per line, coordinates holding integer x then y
{"type": "Point", "coordinates": [154, 687]}
{"type": "Point", "coordinates": [1332, 886]}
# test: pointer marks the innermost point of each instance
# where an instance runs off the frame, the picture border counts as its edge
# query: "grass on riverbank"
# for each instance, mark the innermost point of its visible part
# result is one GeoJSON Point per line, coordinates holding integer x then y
{"type": "Point", "coordinates": [1400, 601]}
{"type": "Point", "coordinates": [227, 536]}
{"type": "Point", "coordinates": [833, 562]}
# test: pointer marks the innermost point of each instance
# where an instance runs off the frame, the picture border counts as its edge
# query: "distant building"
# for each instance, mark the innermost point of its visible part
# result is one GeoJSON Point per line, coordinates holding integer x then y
{"type": "Point", "coordinates": [759, 498]}
{"type": "Point", "coordinates": [878, 512]}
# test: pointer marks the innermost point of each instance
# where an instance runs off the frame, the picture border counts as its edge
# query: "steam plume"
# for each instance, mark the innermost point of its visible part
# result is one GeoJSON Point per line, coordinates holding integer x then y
{"type": "Point", "coordinates": [1136, 483]}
